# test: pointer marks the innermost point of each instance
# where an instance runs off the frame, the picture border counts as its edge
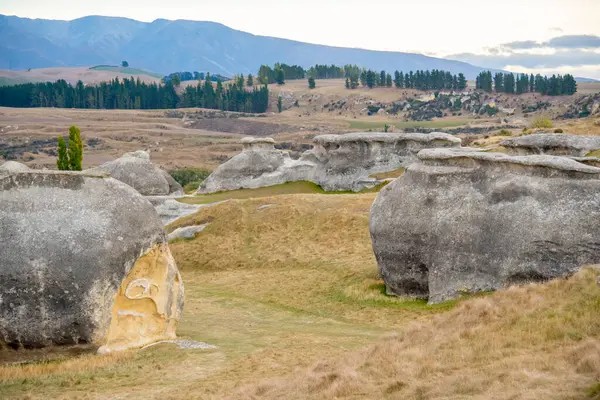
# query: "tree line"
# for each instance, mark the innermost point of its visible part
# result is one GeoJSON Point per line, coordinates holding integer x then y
{"type": "Point", "coordinates": [555, 85]}
{"type": "Point", "coordinates": [134, 94]}
{"type": "Point", "coordinates": [281, 72]}
{"type": "Point", "coordinates": [191, 76]}
{"type": "Point", "coordinates": [421, 80]}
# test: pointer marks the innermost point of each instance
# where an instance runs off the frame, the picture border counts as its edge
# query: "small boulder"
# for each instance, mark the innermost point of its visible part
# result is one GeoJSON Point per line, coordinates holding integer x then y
{"type": "Point", "coordinates": [13, 166]}
{"type": "Point", "coordinates": [136, 170]}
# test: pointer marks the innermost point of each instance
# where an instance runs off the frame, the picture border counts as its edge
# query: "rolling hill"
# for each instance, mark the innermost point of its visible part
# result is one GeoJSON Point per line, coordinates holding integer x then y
{"type": "Point", "coordinates": [166, 46]}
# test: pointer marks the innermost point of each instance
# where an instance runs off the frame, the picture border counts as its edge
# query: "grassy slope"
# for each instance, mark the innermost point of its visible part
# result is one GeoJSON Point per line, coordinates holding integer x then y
{"type": "Point", "coordinates": [126, 70]}
{"type": "Point", "coordinates": [280, 288]}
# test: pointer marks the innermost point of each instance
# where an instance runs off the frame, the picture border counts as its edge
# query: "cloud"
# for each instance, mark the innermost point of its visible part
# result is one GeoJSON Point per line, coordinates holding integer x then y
{"type": "Point", "coordinates": [574, 42]}
{"type": "Point", "coordinates": [558, 42]}
{"type": "Point", "coordinates": [520, 45]}
{"type": "Point", "coordinates": [562, 58]}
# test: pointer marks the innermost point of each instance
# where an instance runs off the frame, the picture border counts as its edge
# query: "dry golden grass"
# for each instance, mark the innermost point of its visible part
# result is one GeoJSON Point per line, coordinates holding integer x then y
{"type": "Point", "coordinates": [535, 342]}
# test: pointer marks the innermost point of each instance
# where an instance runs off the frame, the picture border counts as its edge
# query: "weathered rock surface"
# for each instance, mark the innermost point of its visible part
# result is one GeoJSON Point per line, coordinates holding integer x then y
{"type": "Point", "coordinates": [470, 222]}
{"type": "Point", "coordinates": [84, 259]}
{"type": "Point", "coordinates": [552, 144]}
{"type": "Point", "coordinates": [187, 232]}
{"type": "Point", "coordinates": [336, 162]}
{"type": "Point", "coordinates": [136, 170]}
{"type": "Point", "coordinates": [14, 166]}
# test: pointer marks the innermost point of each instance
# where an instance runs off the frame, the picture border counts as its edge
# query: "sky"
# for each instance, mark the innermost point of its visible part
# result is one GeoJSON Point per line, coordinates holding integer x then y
{"type": "Point", "coordinates": [546, 36]}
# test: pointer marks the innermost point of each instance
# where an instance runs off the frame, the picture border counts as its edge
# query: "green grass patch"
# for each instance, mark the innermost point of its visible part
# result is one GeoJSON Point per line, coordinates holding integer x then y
{"type": "Point", "coordinates": [300, 187]}
{"type": "Point", "coordinates": [388, 175]}
{"type": "Point", "coordinates": [595, 153]}
{"type": "Point", "coordinates": [594, 391]}
{"type": "Point", "coordinates": [408, 124]}
{"type": "Point", "coordinates": [126, 70]}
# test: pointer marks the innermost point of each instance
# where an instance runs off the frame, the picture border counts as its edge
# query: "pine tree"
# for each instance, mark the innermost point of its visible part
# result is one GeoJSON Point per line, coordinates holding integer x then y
{"type": "Point", "coordinates": [279, 104]}
{"type": "Point", "coordinates": [347, 83]}
{"type": "Point", "coordinates": [250, 80]}
{"type": "Point", "coordinates": [388, 80]}
{"type": "Point", "coordinates": [75, 149]}
{"type": "Point", "coordinates": [280, 77]}
{"type": "Point", "coordinates": [63, 159]}
{"type": "Point", "coordinates": [176, 80]}
{"type": "Point", "coordinates": [531, 83]}
{"type": "Point", "coordinates": [499, 82]}
{"type": "Point", "coordinates": [240, 81]}
{"type": "Point", "coordinates": [363, 77]}
{"type": "Point", "coordinates": [370, 79]}
{"type": "Point", "coordinates": [311, 83]}
{"type": "Point", "coordinates": [381, 78]}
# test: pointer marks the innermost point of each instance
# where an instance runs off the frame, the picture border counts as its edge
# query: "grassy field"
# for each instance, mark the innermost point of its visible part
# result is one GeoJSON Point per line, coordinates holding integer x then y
{"type": "Point", "coordinates": [291, 297]}
{"type": "Point", "coordinates": [300, 187]}
{"type": "Point", "coordinates": [379, 125]}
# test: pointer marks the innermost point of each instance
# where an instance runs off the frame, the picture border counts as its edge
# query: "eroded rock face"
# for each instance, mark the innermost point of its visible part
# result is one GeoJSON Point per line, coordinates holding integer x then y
{"type": "Point", "coordinates": [552, 144]}
{"type": "Point", "coordinates": [84, 260]}
{"type": "Point", "coordinates": [336, 163]}
{"type": "Point", "coordinates": [136, 170]}
{"type": "Point", "coordinates": [471, 221]}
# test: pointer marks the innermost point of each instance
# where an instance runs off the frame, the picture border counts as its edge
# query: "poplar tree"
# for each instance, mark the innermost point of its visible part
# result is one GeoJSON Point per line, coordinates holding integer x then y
{"type": "Point", "coordinates": [63, 159]}
{"type": "Point", "coordinates": [75, 149]}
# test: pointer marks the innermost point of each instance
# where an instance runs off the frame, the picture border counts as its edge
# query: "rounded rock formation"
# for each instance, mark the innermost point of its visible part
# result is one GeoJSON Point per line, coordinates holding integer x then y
{"type": "Point", "coordinates": [461, 222]}
{"type": "Point", "coordinates": [136, 170]}
{"type": "Point", "coordinates": [336, 162]}
{"type": "Point", "coordinates": [552, 144]}
{"type": "Point", "coordinates": [85, 259]}
{"type": "Point", "coordinates": [13, 166]}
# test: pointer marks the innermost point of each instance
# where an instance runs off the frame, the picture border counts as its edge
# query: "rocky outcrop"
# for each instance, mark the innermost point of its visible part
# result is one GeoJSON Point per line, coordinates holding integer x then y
{"type": "Point", "coordinates": [136, 170]}
{"type": "Point", "coordinates": [336, 162]}
{"type": "Point", "coordinates": [85, 259]}
{"type": "Point", "coordinates": [13, 166]}
{"type": "Point", "coordinates": [553, 144]}
{"type": "Point", "coordinates": [472, 221]}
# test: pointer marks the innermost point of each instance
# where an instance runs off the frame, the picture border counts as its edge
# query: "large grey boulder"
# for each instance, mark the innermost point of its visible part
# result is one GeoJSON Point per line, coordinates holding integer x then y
{"type": "Point", "coordinates": [345, 162]}
{"type": "Point", "coordinates": [84, 259]}
{"type": "Point", "coordinates": [553, 144]}
{"type": "Point", "coordinates": [136, 170]}
{"type": "Point", "coordinates": [13, 166]}
{"type": "Point", "coordinates": [336, 162]}
{"type": "Point", "coordinates": [471, 221]}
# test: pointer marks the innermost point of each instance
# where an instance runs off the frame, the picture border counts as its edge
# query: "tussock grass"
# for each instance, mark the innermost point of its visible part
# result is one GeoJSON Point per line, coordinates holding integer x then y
{"type": "Point", "coordinates": [533, 342]}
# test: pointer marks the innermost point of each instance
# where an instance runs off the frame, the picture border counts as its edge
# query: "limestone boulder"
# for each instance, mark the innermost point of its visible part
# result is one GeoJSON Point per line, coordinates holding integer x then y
{"type": "Point", "coordinates": [552, 144]}
{"type": "Point", "coordinates": [13, 166]}
{"type": "Point", "coordinates": [85, 259]}
{"type": "Point", "coordinates": [463, 222]}
{"type": "Point", "coordinates": [336, 162]}
{"type": "Point", "coordinates": [345, 162]}
{"type": "Point", "coordinates": [136, 170]}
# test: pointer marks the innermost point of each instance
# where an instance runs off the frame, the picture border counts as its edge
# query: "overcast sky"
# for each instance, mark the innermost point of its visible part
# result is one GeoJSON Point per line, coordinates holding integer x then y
{"type": "Point", "coordinates": [523, 35]}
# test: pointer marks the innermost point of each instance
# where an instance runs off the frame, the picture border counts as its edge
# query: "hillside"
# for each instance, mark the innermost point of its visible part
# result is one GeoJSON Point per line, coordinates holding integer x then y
{"type": "Point", "coordinates": [191, 46]}
{"type": "Point", "coordinates": [88, 75]}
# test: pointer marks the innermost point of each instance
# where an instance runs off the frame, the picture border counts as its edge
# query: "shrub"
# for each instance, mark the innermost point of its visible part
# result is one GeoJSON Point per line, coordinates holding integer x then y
{"type": "Point", "coordinates": [541, 122]}
{"type": "Point", "coordinates": [558, 131]}
{"type": "Point", "coordinates": [504, 132]}
{"type": "Point", "coordinates": [185, 176]}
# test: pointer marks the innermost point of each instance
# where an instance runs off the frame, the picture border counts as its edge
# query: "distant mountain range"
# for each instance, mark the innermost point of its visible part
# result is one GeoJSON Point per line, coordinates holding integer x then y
{"type": "Point", "coordinates": [166, 46]}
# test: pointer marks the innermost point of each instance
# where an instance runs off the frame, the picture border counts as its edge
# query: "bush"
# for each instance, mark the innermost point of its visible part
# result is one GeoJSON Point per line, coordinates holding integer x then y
{"type": "Point", "coordinates": [542, 122]}
{"type": "Point", "coordinates": [559, 131]}
{"type": "Point", "coordinates": [504, 132]}
{"type": "Point", "coordinates": [185, 176]}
